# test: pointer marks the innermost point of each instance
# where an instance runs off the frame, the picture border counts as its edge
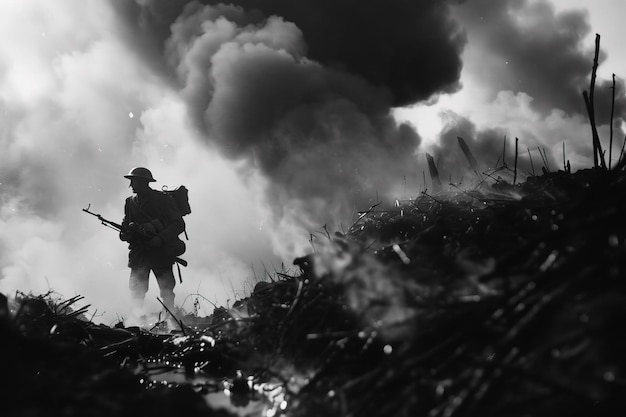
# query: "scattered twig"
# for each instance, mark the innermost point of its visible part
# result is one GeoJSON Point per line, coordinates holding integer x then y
{"type": "Point", "coordinates": [598, 154]}
{"type": "Point", "coordinates": [532, 166]}
{"type": "Point", "coordinates": [515, 169]}
{"type": "Point", "coordinates": [590, 102]}
{"type": "Point", "coordinates": [179, 322]}
{"type": "Point", "coordinates": [621, 154]}
{"type": "Point", "coordinates": [545, 154]}
{"type": "Point", "coordinates": [611, 124]}
{"type": "Point", "coordinates": [433, 198]}
{"type": "Point", "coordinates": [198, 295]}
{"type": "Point", "coordinates": [362, 216]}
{"type": "Point", "coordinates": [543, 158]}
{"type": "Point", "coordinates": [504, 151]}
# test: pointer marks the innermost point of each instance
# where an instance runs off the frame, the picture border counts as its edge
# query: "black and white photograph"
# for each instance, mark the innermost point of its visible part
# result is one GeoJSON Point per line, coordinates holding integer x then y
{"type": "Point", "coordinates": [298, 208]}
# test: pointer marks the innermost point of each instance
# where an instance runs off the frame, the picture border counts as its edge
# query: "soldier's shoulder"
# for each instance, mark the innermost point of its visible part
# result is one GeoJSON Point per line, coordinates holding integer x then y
{"type": "Point", "coordinates": [161, 196]}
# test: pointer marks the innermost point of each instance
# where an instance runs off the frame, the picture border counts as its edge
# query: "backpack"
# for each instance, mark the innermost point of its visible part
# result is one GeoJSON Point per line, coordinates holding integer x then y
{"type": "Point", "coordinates": [180, 195]}
{"type": "Point", "coordinates": [181, 198]}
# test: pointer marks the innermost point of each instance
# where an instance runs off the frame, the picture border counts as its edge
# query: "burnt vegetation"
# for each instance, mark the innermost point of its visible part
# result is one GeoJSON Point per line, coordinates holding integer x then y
{"type": "Point", "coordinates": [499, 298]}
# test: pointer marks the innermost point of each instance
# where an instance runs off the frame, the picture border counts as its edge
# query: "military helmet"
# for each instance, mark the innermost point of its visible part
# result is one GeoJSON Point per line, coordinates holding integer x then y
{"type": "Point", "coordinates": [140, 172]}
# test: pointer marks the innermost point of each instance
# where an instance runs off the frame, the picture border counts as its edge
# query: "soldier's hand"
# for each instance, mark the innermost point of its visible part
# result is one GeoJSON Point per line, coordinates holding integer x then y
{"type": "Point", "coordinates": [156, 241]}
{"type": "Point", "coordinates": [126, 236]}
{"type": "Point", "coordinates": [147, 228]}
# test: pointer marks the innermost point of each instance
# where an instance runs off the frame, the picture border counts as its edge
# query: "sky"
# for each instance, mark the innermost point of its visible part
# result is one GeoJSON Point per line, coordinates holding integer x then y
{"type": "Point", "coordinates": [281, 117]}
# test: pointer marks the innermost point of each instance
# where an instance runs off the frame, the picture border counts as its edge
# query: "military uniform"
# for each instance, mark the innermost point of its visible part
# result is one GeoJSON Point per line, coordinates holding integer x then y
{"type": "Point", "coordinates": [155, 214]}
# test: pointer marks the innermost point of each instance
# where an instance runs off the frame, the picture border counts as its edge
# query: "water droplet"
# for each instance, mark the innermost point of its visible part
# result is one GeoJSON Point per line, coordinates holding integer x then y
{"type": "Point", "coordinates": [388, 349]}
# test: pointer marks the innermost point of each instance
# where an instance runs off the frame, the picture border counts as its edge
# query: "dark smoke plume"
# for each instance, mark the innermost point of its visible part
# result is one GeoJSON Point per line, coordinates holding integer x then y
{"type": "Point", "coordinates": [304, 89]}
{"type": "Point", "coordinates": [411, 48]}
{"type": "Point", "coordinates": [541, 53]}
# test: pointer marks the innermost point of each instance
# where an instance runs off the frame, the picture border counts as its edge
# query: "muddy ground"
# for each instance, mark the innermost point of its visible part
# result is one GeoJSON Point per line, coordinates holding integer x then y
{"type": "Point", "coordinates": [491, 300]}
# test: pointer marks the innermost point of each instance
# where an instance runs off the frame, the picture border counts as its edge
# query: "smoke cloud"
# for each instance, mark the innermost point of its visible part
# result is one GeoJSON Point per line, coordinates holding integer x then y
{"type": "Point", "coordinates": [525, 67]}
{"type": "Point", "coordinates": [304, 90]}
{"type": "Point", "coordinates": [526, 46]}
{"type": "Point", "coordinates": [276, 117]}
{"type": "Point", "coordinates": [79, 110]}
{"type": "Point", "coordinates": [412, 49]}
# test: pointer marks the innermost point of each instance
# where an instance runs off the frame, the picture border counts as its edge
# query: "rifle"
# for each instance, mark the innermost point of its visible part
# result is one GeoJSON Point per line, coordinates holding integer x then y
{"type": "Point", "coordinates": [120, 228]}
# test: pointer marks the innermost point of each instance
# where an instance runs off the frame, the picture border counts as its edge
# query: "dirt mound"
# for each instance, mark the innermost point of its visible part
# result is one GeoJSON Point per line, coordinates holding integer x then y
{"type": "Point", "coordinates": [507, 300]}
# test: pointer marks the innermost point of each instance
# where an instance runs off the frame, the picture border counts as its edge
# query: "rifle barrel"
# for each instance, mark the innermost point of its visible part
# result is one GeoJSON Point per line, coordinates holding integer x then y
{"type": "Point", "coordinates": [119, 227]}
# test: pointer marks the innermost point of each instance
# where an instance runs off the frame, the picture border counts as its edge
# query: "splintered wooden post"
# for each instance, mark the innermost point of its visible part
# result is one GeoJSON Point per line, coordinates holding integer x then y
{"type": "Point", "coordinates": [504, 151]}
{"type": "Point", "coordinates": [621, 154]}
{"type": "Point", "coordinates": [545, 161]}
{"type": "Point", "coordinates": [515, 164]}
{"type": "Point", "coordinates": [532, 166]}
{"type": "Point", "coordinates": [598, 154]}
{"type": "Point", "coordinates": [611, 125]}
{"type": "Point", "coordinates": [564, 163]}
{"type": "Point", "coordinates": [469, 156]}
{"type": "Point", "coordinates": [594, 70]}
{"type": "Point", "coordinates": [434, 173]}
{"type": "Point", "coordinates": [545, 154]}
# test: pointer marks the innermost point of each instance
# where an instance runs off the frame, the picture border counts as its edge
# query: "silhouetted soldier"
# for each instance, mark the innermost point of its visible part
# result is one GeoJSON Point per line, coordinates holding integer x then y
{"type": "Point", "coordinates": [155, 222]}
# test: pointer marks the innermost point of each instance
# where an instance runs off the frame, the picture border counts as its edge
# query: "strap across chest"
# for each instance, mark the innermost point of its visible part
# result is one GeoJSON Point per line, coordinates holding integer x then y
{"type": "Point", "coordinates": [137, 208]}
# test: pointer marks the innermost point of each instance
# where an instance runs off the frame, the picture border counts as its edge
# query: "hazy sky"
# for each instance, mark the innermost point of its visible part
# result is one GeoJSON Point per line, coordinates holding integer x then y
{"type": "Point", "coordinates": [525, 65]}
{"type": "Point", "coordinates": [280, 116]}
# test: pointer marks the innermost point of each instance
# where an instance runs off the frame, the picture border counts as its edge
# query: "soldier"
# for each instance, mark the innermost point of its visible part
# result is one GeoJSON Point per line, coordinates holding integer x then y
{"type": "Point", "coordinates": [155, 222]}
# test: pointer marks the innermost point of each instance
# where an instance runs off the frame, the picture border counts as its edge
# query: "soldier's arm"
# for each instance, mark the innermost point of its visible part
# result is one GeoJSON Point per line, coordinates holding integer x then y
{"type": "Point", "coordinates": [125, 234]}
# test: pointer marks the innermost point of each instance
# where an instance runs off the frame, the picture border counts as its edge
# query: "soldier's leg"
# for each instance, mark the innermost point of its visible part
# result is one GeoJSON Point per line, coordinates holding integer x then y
{"type": "Point", "coordinates": [166, 280]}
{"type": "Point", "coordinates": [138, 284]}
